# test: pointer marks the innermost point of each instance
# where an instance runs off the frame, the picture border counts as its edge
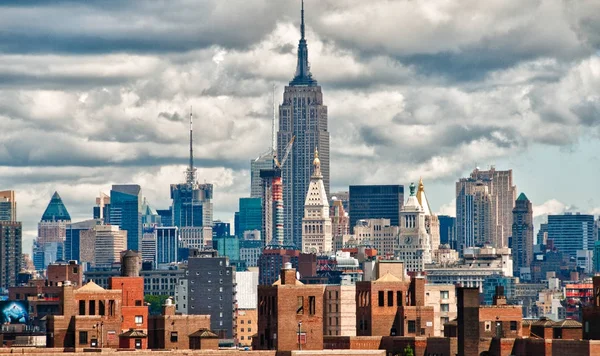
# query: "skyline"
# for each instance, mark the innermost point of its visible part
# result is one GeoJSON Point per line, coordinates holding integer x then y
{"type": "Point", "coordinates": [477, 87]}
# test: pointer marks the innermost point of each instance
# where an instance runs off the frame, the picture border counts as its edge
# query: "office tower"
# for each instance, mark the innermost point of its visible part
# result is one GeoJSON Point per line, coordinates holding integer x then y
{"type": "Point", "coordinates": [110, 241]}
{"type": "Point", "coordinates": [126, 212]}
{"type": "Point", "coordinates": [522, 234]}
{"type": "Point", "coordinates": [302, 116]}
{"type": "Point", "coordinates": [271, 261]}
{"type": "Point", "coordinates": [73, 237]}
{"type": "Point", "coordinates": [192, 204]}
{"type": "Point", "coordinates": [501, 194]}
{"type": "Point", "coordinates": [432, 223]}
{"type": "Point", "coordinates": [316, 224]}
{"type": "Point", "coordinates": [249, 216]}
{"type": "Point", "coordinates": [167, 244]}
{"type": "Point", "coordinates": [375, 202]}
{"type": "Point", "coordinates": [228, 246]}
{"type": "Point", "coordinates": [8, 206]}
{"type": "Point", "coordinates": [149, 247]}
{"type": "Point", "coordinates": [102, 208]}
{"type": "Point", "coordinates": [150, 217]}
{"type": "Point", "coordinates": [52, 232]}
{"type": "Point", "coordinates": [264, 161]}
{"type": "Point", "coordinates": [166, 216]}
{"type": "Point", "coordinates": [197, 237]}
{"type": "Point", "coordinates": [447, 230]}
{"type": "Point", "coordinates": [11, 235]}
{"type": "Point", "coordinates": [340, 221]}
{"type": "Point", "coordinates": [571, 232]}
{"type": "Point", "coordinates": [211, 290]}
{"type": "Point", "coordinates": [414, 241]}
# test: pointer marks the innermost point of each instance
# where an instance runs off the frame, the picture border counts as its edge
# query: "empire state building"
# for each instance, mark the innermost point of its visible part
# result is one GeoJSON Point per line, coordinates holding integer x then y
{"type": "Point", "coordinates": [301, 115]}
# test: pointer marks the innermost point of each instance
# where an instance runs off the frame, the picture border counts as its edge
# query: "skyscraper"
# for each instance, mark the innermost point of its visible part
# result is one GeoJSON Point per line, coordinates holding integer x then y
{"type": "Point", "coordinates": [167, 244]}
{"type": "Point", "coordinates": [522, 234]}
{"type": "Point", "coordinates": [414, 241]}
{"type": "Point", "coordinates": [448, 230]}
{"type": "Point", "coordinates": [73, 238]}
{"type": "Point", "coordinates": [301, 115]}
{"type": "Point", "coordinates": [493, 193]}
{"type": "Point", "coordinates": [8, 206]}
{"type": "Point", "coordinates": [375, 202]}
{"type": "Point", "coordinates": [52, 233]}
{"type": "Point", "coordinates": [109, 242]}
{"type": "Point", "coordinates": [126, 212]}
{"type": "Point", "coordinates": [192, 204]}
{"type": "Point", "coordinates": [571, 232]}
{"type": "Point", "coordinates": [316, 224]}
{"type": "Point", "coordinates": [11, 236]}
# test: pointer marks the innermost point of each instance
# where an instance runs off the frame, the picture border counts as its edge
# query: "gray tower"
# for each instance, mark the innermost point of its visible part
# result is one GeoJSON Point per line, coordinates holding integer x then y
{"type": "Point", "coordinates": [301, 115]}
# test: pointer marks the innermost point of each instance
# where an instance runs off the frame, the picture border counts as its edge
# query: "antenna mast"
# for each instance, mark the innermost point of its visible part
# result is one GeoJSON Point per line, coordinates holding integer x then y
{"type": "Point", "coordinates": [191, 171]}
{"type": "Point", "coordinates": [274, 130]}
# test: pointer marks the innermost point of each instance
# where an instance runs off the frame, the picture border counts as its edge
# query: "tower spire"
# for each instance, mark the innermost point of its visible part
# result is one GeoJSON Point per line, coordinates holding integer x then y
{"type": "Point", "coordinates": [303, 75]}
{"type": "Point", "coordinates": [191, 171]}
{"type": "Point", "coordinates": [302, 21]}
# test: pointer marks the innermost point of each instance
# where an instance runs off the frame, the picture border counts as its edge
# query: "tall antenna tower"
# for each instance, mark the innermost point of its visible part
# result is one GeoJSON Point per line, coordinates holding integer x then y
{"type": "Point", "coordinates": [190, 173]}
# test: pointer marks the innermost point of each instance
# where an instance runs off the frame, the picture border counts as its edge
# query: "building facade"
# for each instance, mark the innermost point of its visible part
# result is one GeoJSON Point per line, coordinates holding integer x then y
{"type": "Point", "coordinates": [484, 203]}
{"type": "Point", "coordinates": [126, 212]}
{"type": "Point", "coordinates": [571, 232]}
{"type": "Point", "coordinates": [414, 241]}
{"type": "Point", "coordinates": [377, 233]}
{"type": "Point", "coordinates": [264, 161]}
{"type": "Point", "coordinates": [316, 224]}
{"type": "Point", "coordinates": [303, 116]}
{"type": "Point", "coordinates": [249, 216]}
{"type": "Point", "coordinates": [522, 234]}
{"type": "Point", "coordinates": [375, 202]}
{"type": "Point", "coordinates": [110, 241]}
{"type": "Point", "coordinates": [73, 237]}
{"type": "Point", "coordinates": [8, 206]}
{"type": "Point", "coordinates": [167, 244]}
{"type": "Point", "coordinates": [11, 237]}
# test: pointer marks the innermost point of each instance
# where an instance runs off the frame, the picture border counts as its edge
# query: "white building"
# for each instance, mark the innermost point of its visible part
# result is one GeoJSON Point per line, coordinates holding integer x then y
{"type": "Point", "coordinates": [414, 242]}
{"type": "Point", "coordinates": [316, 224]}
{"type": "Point", "coordinates": [198, 237]}
{"type": "Point", "coordinates": [181, 293]}
{"type": "Point", "coordinates": [477, 263]}
{"type": "Point", "coordinates": [110, 241]}
{"type": "Point", "coordinates": [246, 289]}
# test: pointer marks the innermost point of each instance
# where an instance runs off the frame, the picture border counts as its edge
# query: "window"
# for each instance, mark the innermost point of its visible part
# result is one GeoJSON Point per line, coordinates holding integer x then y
{"type": "Point", "coordinates": [174, 336]}
{"type": "Point", "coordinates": [241, 322]}
{"type": "Point", "coordinates": [513, 326]}
{"type": "Point", "coordinates": [488, 325]}
{"type": "Point", "coordinates": [445, 307]}
{"type": "Point", "coordinates": [102, 308]}
{"type": "Point", "coordinates": [82, 307]}
{"type": "Point", "coordinates": [242, 338]}
{"type": "Point", "coordinates": [381, 301]}
{"type": "Point", "coordinates": [311, 305]}
{"type": "Point", "coordinates": [139, 319]}
{"type": "Point", "coordinates": [249, 321]}
{"type": "Point", "coordinates": [300, 306]}
{"type": "Point", "coordinates": [249, 329]}
{"type": "Point", "coordinates": [242, 329]}
{"type": "Point", "coordinates": [444, 294]}
{"type": "Point", "coordinates": [444, 320]}
{"type": "Point", "coordinates": [83, 337]}
{"type": "Point", "coordinates": [412, 328]}
{"type": "Point", "coordinates": [390, 298]}
{"type": "Point", "coordinates": [398, 298]}
{"type": "Point", "coordinates": [138, 303]}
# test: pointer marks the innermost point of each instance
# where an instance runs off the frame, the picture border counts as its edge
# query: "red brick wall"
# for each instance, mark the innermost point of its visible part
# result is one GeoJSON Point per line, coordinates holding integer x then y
{"type": "Point", "coordinates": [132, 289]}
{"type": "Point", "coordinates": [378, 320]}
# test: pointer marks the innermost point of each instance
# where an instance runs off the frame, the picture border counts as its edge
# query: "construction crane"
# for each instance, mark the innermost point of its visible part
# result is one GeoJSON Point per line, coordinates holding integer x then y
{"type": "Point", "coordinates": [286, 154]}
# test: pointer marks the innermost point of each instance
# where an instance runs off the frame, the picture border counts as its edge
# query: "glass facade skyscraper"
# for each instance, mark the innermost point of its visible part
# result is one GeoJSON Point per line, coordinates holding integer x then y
{"type": "Point", "coordinates": [375, 202]}
{"type": "Point", "coordinates": [249, 216]}
{"type": "Point", "coordinates": [167, 244]}
{"type": "Point", "coordinates": [126, 212]}
{"type": "Point", "coordinates": [571, 232]}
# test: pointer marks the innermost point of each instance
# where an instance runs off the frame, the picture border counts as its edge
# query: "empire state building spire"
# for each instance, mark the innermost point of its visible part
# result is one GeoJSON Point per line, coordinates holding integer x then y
{"type": "Point", "coordinates": [303, 75]}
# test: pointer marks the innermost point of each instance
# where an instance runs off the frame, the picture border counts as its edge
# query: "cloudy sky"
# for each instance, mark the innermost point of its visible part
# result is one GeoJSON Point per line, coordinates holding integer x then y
{"type": "Point", "coordinates": [94, 93]}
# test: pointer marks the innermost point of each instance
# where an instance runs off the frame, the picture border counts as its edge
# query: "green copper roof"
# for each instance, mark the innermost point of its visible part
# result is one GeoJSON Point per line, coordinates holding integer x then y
{"type": "Point", "coordinates": [56, 210]}
{"type": "Point", "coordinates": [522, 196]}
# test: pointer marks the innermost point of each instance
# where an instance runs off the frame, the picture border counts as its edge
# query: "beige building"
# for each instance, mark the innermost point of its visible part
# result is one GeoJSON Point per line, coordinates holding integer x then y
{"type": "Point", "coordinates": [377, 233]}
{"type": "Point", "coordinates": [246, 326]}
{"type": "Point", "coordinates": [484, 204]}
{"type": "Point", "coordinates": [339, 314]}
{"type": "Point", "coordinates": [8, 206]}
{"type": "Point", "coordinates": [316, 224]}
{"type": "Point", "coordinates": [432, 223]}
{"type": "Point", "coordinates": [109, 242]}
{"type": "Point", "coordinates": [442, 297]}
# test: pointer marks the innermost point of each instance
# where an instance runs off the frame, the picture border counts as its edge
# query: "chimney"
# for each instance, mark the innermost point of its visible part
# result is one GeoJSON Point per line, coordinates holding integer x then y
{"type": "Point", "coordinates": [417, 290]}
{"type": "Point", "coordinates": [288, 274]}
{"type": "Point", "coordinates": [468, 321]}
{"type": "Point", "coordinates": [499, 297]}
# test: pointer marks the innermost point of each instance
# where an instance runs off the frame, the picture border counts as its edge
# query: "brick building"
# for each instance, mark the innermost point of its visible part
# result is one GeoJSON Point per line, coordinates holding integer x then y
{"type": "Point", "coordinates": [171, 331]}
{"type": "Point", "coordinates": [290, 314]}
{"type": "Point", "coordinates": [389, 307]}
{"type": "Point", "coordinates": [92, 316]}
{"type": "Point", "coordinates": [339, 310]}
{"type": "Point", "coordinates": [246, 326]}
